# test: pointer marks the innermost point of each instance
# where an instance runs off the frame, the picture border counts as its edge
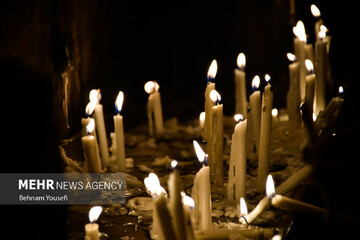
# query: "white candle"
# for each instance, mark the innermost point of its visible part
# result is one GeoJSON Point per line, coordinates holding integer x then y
{"type": "Point", "coordinates": [201, 192]}
{"type": "Point", "coordinates": [299, 44]}
{"type": "Point", "coordinates": [189, 205]}
{"type": "Point", "coordinates": [216, 142]}
{"type": "Point", "coordinates": [92, 228]}
{"type": "Point", "coordinates": [317, 14]}
{"type": "Point", "coordinates": [240, 86]}
{"type": "Point", "coordinates": [119, 134]}
{"type": "Point", "coordinates": [91, 153]}
{"type": "Point", "coordinates": [208, 102]}
{"type": "Point", "coordinates": [320, 71]}
{"type": "Point", "coordinates": [238, 161]}
{"type": "Point", "coordinates": [165, 227]}
{"type": "Point", "coordinates": [310, 84]}
{"type": "Point", "coordinates": [293, 96]}
{"type": "Point", "coordinates": [154, 109]}
{"type": "Point", "coordinates": [265, 130]}
{"type": "Point", "coordinates": [95, 96]}
{"type": "Point", "coordinates": [255, 106]}
{"type": "Point", "coordinates": [89, 110]}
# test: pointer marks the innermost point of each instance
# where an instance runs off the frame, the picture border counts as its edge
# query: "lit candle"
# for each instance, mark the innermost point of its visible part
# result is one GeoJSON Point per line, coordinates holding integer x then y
{"type": "Point", "coordinates": [216, 142]}
{"type": "Point", "coordinates": [92, 228]}
{"type": "Point", "coordinates": [95, 96]}
{"type": "Point", "coordinates": [317, 14]}
{"type": "Point", "coordinates": [165, 227]}
{"type": "Point", "coordinates": [154, 109]}
{"type": "Point", "coordinates": [255, 106]}
{"type": "Point", "coordinates": [293, 96]}
{"type": "Point", "coordinates": [310, 84]}
{"type": "Point", "coordinates": [91, 152]}
{"type": "Point", "coordinates": [299, 43]}
{"type": "Point", "coordinates": [237, 164]}
{"type": "Point", "coordinates": [240, 86]}
{"type": "Point", "coordinates": [119, 133]}
{"type": "Point", "coordinates": [189, 205]}
{"type": "Point", "coordinates": [243, 209]}
{"type": "Point", "coordinates": [201, 192]}
{"type": "Point", "coordinates": [208, 102]}
{"type": "Point", "coordinates": [202, 120]}
{"type": "Point", "coordinates": [89, 110]}
{"type": "Point", "coordinates": [265, 130]}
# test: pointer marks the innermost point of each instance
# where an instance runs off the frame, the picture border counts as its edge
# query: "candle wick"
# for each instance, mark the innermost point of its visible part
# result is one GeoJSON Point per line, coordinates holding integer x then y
{"type": "Point", "coordinates": [243, 217]}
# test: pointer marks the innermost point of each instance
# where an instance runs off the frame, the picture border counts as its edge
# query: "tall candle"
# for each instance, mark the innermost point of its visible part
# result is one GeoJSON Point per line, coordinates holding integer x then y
{"type": "Point", "coordinates": [208, 102]}
{"type": "Point", "coordinates": [95, 96]}
{"type": "Point", "coordinates": [265, 130]}
{"type": "Point", "coordinates": [293, 96]}
{"type": "Point", "coordinates": [89, 110]}
{"type": "Point", "coordinates": [154, 109]}
{"type": "Point", "coordinates": [92, 228]}
{"type": "Point", "coordinates": [299, 44]}
{"type": "Point", "coordinates": [317, 14]}
{"type": "Point", "coordinates": [91, 153]}
{"type": "Point", "coordinates": [165, 227]}
{"type": "Point", "coordinates": [310, 84]}
{"type": "Point", "coordinates": [188, 204]}
{"type": "Point", "coordinates": [255, 106]}
{"type": "Point", "coordinates": [320, 71]}
{"type": "Point", "coordinates": [237, 163]}
{"type": "Point", "coordinates": [119, 134]}
{"type": "Point", "coordinates": [240, 86]}
{"type": "Point", "coordinates": [216, 142]}
{"type": "Point", "coordinates": [201, 192]}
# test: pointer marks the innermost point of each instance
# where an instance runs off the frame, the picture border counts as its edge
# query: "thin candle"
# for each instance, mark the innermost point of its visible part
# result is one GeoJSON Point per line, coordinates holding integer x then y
{"type": "Point", "coordinates": [92, 228]}
{"type": "Point", "coordinates": [240, 86]}
{"type": "Point", "coordinates": [255, 110]}
{"type": "Point", "coordinates": [119, 133]}
{"type": "Point", "coordinates": [154, 109]}
{"type": "Point", "coordinates": [208, 102]}
{"type": "Point", "coordinates": [293, 96]}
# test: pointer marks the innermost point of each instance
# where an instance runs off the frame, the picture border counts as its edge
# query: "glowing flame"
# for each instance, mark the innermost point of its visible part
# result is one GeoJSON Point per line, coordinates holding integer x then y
{"type": "Point", "coordinates": [95, 96]}
{"type": "Point", "coordinates": [215, 96]}
{"type": "Point", "coordinates": [315, 10]}
{"type": "Point", "coordinates": [241, 61]}
{"type": "Point", "coordinates": [94, 213]}
{"type": "Point", "coordinates": [90, 127]}
{"type": "Point", "coordinates": [173, 164]}
{"type": "Point", "coordinates": [323, 31]}
{"type": "Point", "coordinates": [243, 207]}
{"type": "Point", "coordinates": [201, 155]}
{"type": "Point", "coordinates": [188, 201]}
{"type": "Point", "coordinates": [299, 31]}
{"type": "Point", "coordinates": [309, 66]}
{"type": "Point", "coordinates": [152, 184]}
{"type": "Point", "coordinates": [341, 90]}
{"type": "Point", "coordinates": [274, 112]}
{"type": "Point", "coordinates": [151, 86]}
{"type": "Point", "coordinates": [270, 186]}
{"type": "Point", "coordinates": [90, 107]}
{"type": "Point", "coordinates": [267, 78]}
{"type": "Point", "coordinates": [212, 70]}
{"type": "Point", "coordinates": [119, 102]}
{"type": "Point", "coordinates": [291, 57]}
{"type": "Point", "coordinates": [255, 82]}
{"type": "Point", "coordinates": [238, 117]}
{"type": "Point", "coordinates": [202, 119]}
{"type": "Point", "coordinates": [314, 117]}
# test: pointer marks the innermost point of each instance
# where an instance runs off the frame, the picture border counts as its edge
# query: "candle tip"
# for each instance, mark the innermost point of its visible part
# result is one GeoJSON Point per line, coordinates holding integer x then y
{"type": "Point", "coordinates": [119, 102]}
{"type": "Point", "coordinates": [267, 78]}
{"type": "Point", "coordinates": [215, 96]}
{"type": "Point", "coordinates": [255, 82]}
{"type": "Point", "coordinates": [94, 213]}
{"type": "Point", "coordinates": [212, 71]}
{"type": "Point", "coordinates": [241, 61]}
{"type": "Point", "coordinates": [315, 11]}
{"type": "Point", "coordinates": [270, 186]}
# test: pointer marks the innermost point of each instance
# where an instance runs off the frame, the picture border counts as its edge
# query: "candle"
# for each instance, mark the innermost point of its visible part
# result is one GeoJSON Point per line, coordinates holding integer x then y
{"type": "Point", "coordinates": [216, 142]}
{"type": "Point", "coordinates": [95, 96]}
{"type": "Point", "coordinates": [92, 228]}
{"type": "Point", "coordinates": [299, 44]}
{"type": "Point", "coordinates": [255, 106]}
{"type": "Point", "coordinates": [89, 110]}
{"type": "Point", "coordinates": [293, 96]}
{"type": "Point", "coordinates": [166, 229]}
{"type": "Point", "coordinates": [201, 192]}
{"type": "Point", "coordinates": [91, 153]}
{"type": "Point", "coordinates": [265, 130]}
{"type": "Point", "coordinates": [240, 86]}
{"type": "Point", "coordinates": [119, 133]}
{"type": "Point", "coordinates": [154, 109]}
{"type": "Point", "coordinates": [189, 205]}
{"type": "Point", "coordinates": [208, 102]}
{"type": "Point", "coordinates": [317, 14]}
{"type": "Point", "coordinates": [237, 163]}
{"type": "Point", "coordinates": [310, 84]}
{"type": "Point", "coordinates": [243, 209]}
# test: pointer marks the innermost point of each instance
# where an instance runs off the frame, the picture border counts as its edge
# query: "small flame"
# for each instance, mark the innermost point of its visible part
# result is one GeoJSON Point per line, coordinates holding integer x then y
{"type": "Point", "coordinates": [238, 117]}
{"type": "Point", "coordinates": [201, 155]}
{"type": "Point", "coordinates": [341, 90]}
{"type": "Point", "coordinates": [119, 102]}
{"type": "Point", "coordinates": [188, 201]}
{"type": "Point", "coordinates": [151, 86]}
{"type": "Point", "coordinates": [291, 57]}
{"type": "Point", "coordinates": [215, 96]}
{"type": "Point", "coordinates": [152, 184]}
{"type": "Point", "coordinates": [243, 208]}
{"type": "Point", "coordinates": [90, 107]}
{"type": "Point", "coordinates": [212, 70]}
{"type": "Point", "coordinates": [241, 61]}
{"type": "Point", "coordinates": [94, 213]}
{"type": "Point", "coordinates": [299, 31]}
{"type": "Point", "coordinates": [309, 66]}
{"type": "Point", "coordinates": [267, 78]}
{"type": "Point", "coordinates": [202, 119]}
{"type": "Point", "coordinates": [315, 11]}
{"type": "Point", "coordinates": [174, 164]}
{"type": "Point", "coordinates": [323, 31]}
{"type": "Point", "coordinates": [95, 96]}
{"type": "Point", "coordinates": [270, 186]}
{"type": "Point", "coordinates": [255, 82]}
{"type": "Point", "coordinates": [314, 117]}
{"type": "Point", "coordinates": [90, 127]}
{"type": "Point", "coordinates": [274, 112]}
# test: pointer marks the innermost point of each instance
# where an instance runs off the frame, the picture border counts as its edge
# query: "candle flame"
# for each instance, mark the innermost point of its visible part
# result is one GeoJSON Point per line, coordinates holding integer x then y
{"type": "Point", "coordinates": [309, 66]}
{"type": "Point", "coordinates": [341, 90]}
{"type": "Point", "coordinates": [267, 78]}
{"type": "Point", "coordinates": [90, 126]}
{"type": "Point", "coordinates": [215, 96]}
{"type": "Point", "coordinates": [174, 164]}
{"type": "Point", "coordinates": [95, 96]}
{"type": "Point", "coordinates": [188, 201]}
{"type": "Point", "coordinates": [151, 86]}
{"type": "Point", "coordinates": [202, 119]}
{"type": "Point", "coordinates": [94, 213]}
{"type": "Point", "coordinates": [243, 208]}
{"type": "Point", "coordinates": [255, 82]}
{"type": "Point", "coordinates": [212, 70]}
{"type": "Point", "coordinates": [201, 155]}
{"type": "Point", "coordinates": [291, 57]}
{"type": "Point", "coordinates": [238, 117]}
{"type": "Point", "coordinates": [90, 107]}
{"type": "Point", "coordinates": [152, 184]}
{"type": "Point", "coordinates": [270, 187]}
{"type": "Point", "coordinates": [274, 112]}
{"type": "Point", "coordinates": [119, 102]}
{"type": "Point", "coordinates": [315, 10]}
{"type": "Point", "coordinates": [299, 31]}
{"type": "Point", "coordinates": [241, 61]}
{"type": "Point", "coordinates": [322, 32]}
